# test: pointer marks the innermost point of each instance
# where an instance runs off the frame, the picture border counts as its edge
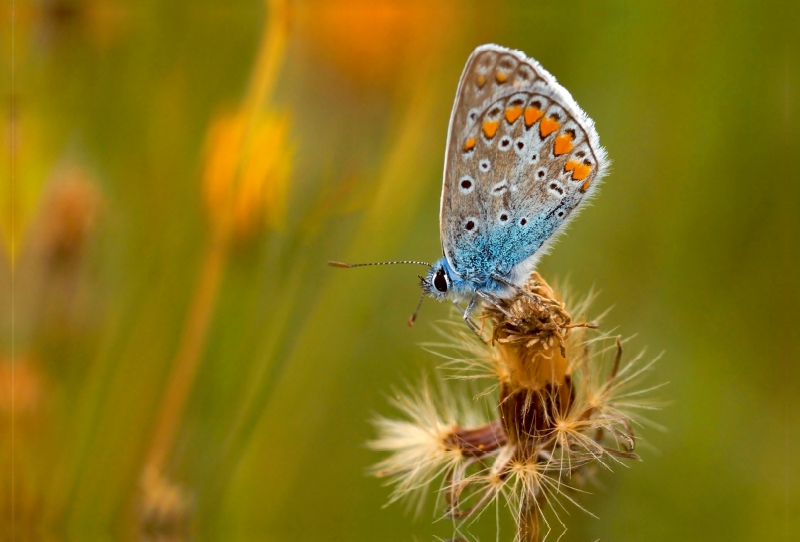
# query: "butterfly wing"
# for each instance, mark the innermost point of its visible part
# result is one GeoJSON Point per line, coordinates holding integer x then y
{"type": "Point", "coordinates": [521, 157]}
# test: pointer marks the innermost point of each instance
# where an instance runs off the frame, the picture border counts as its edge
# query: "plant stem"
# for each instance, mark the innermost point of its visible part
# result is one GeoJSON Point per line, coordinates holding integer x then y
{"type": "Point", "coordinates": [184, 368]}
{"type": "Point", "coordinates": [529, 523]}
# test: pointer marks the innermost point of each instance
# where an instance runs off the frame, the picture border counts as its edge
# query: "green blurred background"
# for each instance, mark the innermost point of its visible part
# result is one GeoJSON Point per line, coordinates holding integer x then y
{"type": "Point", "coordinates": [176, 358]}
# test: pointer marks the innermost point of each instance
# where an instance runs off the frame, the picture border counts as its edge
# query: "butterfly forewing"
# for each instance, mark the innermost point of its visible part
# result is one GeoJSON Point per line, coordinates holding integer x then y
{"type": "Point", "coordinates": [521, 157]}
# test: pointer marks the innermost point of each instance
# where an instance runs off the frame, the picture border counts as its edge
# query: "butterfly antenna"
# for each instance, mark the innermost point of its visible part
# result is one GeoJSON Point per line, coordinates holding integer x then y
{"type": "Point", "coordinates": [350, 265]}
{"type": "Point", "coordinates": [414, 316]}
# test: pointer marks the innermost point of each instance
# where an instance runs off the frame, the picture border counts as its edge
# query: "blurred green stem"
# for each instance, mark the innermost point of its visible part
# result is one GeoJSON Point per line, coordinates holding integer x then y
{"type": "Point", "coordinates": [184, 368]}
{"type": "Point", "coordinates": [192, 340]}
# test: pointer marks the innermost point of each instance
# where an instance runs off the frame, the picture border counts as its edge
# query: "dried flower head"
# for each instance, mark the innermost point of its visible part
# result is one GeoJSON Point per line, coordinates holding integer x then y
{"type": "Point", "coordinates": [70, 214]}
{"type": "Point", "coordinates": [422, 444]}
{"type": "Point", "coordinates": [165, 508]}
{"type": "Point", "coordinates": [564, 401]}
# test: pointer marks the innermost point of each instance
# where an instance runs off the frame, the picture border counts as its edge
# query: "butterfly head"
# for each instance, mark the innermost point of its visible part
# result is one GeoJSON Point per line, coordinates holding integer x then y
{"type": "Point", "coordinates": [438, 283]}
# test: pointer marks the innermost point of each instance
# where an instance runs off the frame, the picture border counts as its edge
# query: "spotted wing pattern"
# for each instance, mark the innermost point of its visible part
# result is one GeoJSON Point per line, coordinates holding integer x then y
{"type": "Point", "coordinates": [521, 157]}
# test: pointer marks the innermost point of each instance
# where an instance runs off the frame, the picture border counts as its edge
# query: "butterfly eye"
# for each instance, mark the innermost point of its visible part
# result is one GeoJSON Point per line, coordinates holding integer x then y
{"type": "Point", "coordinates": [439, 281]}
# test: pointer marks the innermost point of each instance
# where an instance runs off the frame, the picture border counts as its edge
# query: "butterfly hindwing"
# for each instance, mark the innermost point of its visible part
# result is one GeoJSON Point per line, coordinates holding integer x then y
{"type": "Point", "coordinates": [521, 157]}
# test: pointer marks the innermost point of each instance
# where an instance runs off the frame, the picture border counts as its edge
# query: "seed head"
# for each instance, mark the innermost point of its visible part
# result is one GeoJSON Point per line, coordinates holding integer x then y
{"type": "Point", "coordinates": [562, 400]}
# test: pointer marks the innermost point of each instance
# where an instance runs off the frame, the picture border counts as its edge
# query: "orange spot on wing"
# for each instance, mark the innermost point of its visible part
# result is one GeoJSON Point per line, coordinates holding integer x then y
{"type": "Point", "coordinates": [501, 77]}
{"type": "Point", "coordinates": [513, 113]}
{"type": "Point", "coordinates": [548, 126]}
{"type": "Point", "coordinates": [532, 115]}
{"type": "Point", "coordinates": [490, 128]}
{"type": "Point", "coordinates": [579, 171]}
{"type": "Point", "coordinates": [481, 81]}
{"type": "Point", "coordinates": [469, 145]}
{"type": "Point", "coordinates": [563, 144]}
{"type": "Point", "coordinates": [585, 186]}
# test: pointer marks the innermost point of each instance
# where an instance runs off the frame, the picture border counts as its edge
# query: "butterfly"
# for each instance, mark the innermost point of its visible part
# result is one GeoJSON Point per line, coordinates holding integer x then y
{"type": "Point", "coordinates": [521, 158]}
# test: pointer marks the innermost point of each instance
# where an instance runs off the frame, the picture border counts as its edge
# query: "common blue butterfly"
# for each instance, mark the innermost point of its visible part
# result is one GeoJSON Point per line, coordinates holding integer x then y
{"type": "Point", "coordinates": [521, 158]}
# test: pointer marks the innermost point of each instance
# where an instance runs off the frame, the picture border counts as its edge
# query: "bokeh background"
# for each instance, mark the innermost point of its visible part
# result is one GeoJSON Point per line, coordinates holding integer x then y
{"type": "Point", "coordinates": [177, 362]}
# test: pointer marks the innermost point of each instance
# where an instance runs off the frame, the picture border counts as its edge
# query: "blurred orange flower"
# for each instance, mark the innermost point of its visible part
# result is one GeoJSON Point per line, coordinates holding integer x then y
{"type": "Point", "coordinates": [20, 387]}
{"type": "Point", "coordinates": [247, 167]}
{"type": "Point", "coordinates": [369, 40]}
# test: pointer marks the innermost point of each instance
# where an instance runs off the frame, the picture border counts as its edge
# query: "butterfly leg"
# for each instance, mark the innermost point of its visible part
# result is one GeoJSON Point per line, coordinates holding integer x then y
{"type": "Point", "coordinates": [499, 307]}
{"type": "Point", "coordinates": [519, 290]}
{"type": "Point", "coordinates": [467, 319]}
